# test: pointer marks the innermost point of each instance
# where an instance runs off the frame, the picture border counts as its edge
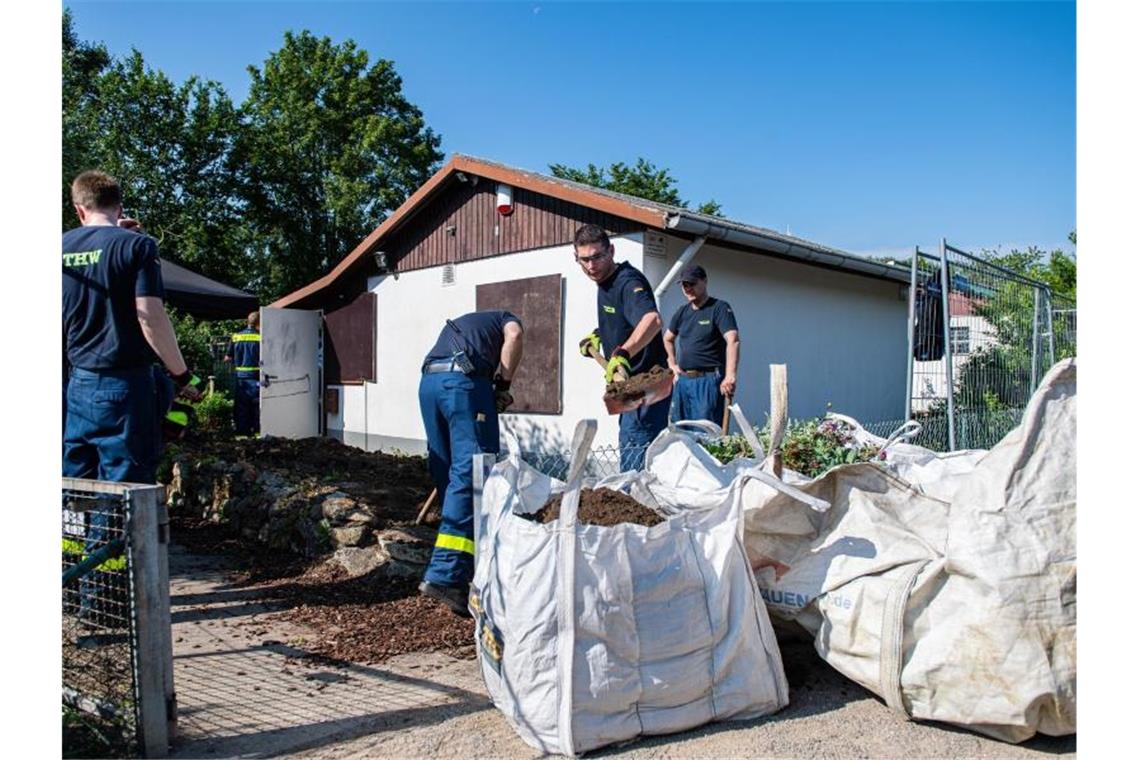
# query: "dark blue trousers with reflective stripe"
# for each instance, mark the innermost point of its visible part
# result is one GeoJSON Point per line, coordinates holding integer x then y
{"type": "Point", "coordinates": [247, 406]}
{"type": "Point", "coordinates": [698, 398]}
{"type": "Point", "coordinates": [460, 421]}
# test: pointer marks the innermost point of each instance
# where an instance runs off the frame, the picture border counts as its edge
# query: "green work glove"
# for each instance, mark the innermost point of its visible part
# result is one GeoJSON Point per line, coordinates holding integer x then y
{"type": "Point", "coordinates": [590, 340]}
{"type": "Point", "coordinates": [618, 368]}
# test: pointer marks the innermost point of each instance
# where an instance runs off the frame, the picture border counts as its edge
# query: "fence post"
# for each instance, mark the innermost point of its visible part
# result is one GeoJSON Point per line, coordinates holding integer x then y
{"type": "Point", "coordinates": [1052, 325]}
{"type": "Point", "coordinates": [154, 657]}
{"type": "Point", "coordinates": [1036, 340]}
{"type": "Point", "coordinates": [948, 352]}
{"type": "Point", "coordinates": [910, 335]}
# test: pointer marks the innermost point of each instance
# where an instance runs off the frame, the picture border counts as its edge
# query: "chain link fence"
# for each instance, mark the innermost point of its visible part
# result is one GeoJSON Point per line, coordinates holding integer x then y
{"type": "Point", "coordinates": [981, 337]}
{"type": "Point", "coordinates": [118, 695]}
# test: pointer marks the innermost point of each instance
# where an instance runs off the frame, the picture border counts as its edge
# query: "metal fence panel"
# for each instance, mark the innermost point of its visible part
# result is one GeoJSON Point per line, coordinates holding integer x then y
{"type": "Point", "coordinates": [118, 691]}
{"type": "Point", "coordinates": [978, 353]}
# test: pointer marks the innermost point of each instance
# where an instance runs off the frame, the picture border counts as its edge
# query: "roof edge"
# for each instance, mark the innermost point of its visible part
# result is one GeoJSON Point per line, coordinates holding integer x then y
{"type": "Point", "coordinates": [485, 170]}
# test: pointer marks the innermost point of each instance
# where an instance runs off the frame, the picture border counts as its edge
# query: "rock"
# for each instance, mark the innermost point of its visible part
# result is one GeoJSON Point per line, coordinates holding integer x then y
{"type": "Point", "coordinates": [338, 505]}
{"type": "Point", "coordinates": [358, 562]}
{"type": "Point", "coordinates": [403, 546]}
{"type": "Point", "coordinates": [352, 535]}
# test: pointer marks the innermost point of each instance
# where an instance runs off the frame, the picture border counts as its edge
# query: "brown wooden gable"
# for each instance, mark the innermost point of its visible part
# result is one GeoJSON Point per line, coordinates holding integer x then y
{"type": "Point", "coordinates": [462, 224]}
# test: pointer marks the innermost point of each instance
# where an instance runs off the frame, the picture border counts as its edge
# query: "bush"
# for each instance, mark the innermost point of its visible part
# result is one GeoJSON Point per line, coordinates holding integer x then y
{"type": "Point", "coordinates": [811, 447]}
{"type": "Point", "coordinates": [215, 414]}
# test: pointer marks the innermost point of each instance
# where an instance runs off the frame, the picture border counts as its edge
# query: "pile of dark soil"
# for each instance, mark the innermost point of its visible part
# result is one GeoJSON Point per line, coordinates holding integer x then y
{"type": "Point", "coordinates": [394, 486]}
{"type": "Point", "coordinates": [601, 506]}
{"type": "Point", "coordinates": [636, 387]}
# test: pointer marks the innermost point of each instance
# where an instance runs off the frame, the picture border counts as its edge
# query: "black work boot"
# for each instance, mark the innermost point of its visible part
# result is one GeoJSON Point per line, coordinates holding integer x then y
{"type": "Point", "coordinates": [454, 597]}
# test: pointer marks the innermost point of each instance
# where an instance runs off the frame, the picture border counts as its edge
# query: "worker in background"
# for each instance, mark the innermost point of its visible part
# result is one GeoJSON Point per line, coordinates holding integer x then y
{"type": "Point", "coordinates": [628, 336]}
{"type": "Point", "coordinates": [465, 384]}
{"type": "Point", "coordinates": [245, 354]}
{"type": "Point", "coordinates": [705, 365]}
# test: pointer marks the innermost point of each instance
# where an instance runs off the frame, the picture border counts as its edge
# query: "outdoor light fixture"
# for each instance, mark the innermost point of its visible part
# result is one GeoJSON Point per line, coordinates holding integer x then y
{"type": "Point", "coordinates": [381, 261]}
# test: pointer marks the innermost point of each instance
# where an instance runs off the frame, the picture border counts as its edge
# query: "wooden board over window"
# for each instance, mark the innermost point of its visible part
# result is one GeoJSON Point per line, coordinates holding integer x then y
{"type": "Point", "coordinates": [350, 342]}
{"type": "Point", "coordinates": [537, 301]}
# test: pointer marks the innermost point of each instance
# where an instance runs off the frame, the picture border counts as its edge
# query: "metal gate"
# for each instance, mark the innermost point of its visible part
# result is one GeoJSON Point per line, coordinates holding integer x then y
{"type": "Point", "coordinates": [980, 339]}
{"type": "Point", "coordinates": [118, 672]}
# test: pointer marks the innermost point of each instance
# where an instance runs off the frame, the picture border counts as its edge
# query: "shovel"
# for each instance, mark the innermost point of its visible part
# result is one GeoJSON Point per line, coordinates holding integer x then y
{"type": "Point", "coordinates": [651, 395]}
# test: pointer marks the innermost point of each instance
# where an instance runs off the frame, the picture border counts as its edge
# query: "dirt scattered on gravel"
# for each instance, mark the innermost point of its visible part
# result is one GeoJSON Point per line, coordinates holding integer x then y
{"type": "Point", "coordinates": [637, 386]}
{"type": "Point", "coordinates": [602, 506]}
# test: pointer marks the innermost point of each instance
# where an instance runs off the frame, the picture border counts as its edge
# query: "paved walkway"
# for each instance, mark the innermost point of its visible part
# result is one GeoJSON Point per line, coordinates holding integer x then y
{"type": "Point", "coordinates": [246, 689]}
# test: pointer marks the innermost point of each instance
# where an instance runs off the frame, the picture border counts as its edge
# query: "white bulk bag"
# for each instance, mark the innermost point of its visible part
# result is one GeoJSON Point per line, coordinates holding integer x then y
{"type": "Point", "coordinates": [591, 635]}
{"type": "Point", "coordinates": [959, 609]}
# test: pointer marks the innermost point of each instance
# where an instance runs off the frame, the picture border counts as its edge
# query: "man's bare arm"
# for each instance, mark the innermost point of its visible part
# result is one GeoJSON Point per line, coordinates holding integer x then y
{"type": "Point", "coordinates": [732, 362]}
{"type": "Point", "coordinates": [644, 332]}
{"type": "Point", "coordinates": [671, 351]}
{"type": "Point", "coordinates": [511, 354]}
{"type": "Point", "coordinates": [159, 333]}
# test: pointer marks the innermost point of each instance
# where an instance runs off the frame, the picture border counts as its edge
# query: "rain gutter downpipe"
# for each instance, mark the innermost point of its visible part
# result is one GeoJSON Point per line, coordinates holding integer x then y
{"type": "Point", "coordinates": [686, 256]}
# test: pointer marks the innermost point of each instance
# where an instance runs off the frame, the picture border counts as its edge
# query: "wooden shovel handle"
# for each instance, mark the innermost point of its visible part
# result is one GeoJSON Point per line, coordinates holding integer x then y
{"type": "Point", "coordinates": [724, 421]}
{"type": "Point", "coordinates": [426, 506]}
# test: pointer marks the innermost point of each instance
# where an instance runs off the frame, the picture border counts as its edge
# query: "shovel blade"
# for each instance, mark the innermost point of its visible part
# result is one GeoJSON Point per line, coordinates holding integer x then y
{"type": "Point", "coordinates": [654, 393]}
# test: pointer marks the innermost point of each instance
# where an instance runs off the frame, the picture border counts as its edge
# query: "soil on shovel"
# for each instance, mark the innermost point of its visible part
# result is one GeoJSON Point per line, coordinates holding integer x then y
{"type": "Point", "coordinates": [637, 386]}
{"type": "Point", "coordinates": [602, 506]}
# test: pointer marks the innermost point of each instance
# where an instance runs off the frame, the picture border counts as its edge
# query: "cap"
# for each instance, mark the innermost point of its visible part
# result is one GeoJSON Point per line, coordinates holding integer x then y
{"type": "Point", "coordinates": [692, 274]}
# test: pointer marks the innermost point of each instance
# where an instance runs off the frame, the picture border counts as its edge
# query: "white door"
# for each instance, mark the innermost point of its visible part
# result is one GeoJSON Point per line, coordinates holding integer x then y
{"type": "Point", "coordinates": [291, 382]}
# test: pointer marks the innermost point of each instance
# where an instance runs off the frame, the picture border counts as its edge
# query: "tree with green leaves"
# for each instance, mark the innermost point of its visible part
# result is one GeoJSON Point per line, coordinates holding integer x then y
{"type": "Point", "coordinates": [643, 180]}
{"type": "Point", "coordinates": [329, 146]}
{"type": "Point", "coordinates": [168, 145]}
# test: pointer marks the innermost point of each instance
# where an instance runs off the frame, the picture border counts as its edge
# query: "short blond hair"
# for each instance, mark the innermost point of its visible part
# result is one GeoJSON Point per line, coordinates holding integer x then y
{"type": "Point", "coordinates": [254, 319]}
{"type": "Point", "coordinates": [94, 189]}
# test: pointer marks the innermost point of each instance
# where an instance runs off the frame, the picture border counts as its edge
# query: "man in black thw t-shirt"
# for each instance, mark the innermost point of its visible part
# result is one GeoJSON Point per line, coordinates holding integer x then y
{"type": "Point", "coordinates": [705, 366]}
{"type": "Point", "coordinates": [628, 334]}
{"type": "Point", "coordinates": [114, 324]}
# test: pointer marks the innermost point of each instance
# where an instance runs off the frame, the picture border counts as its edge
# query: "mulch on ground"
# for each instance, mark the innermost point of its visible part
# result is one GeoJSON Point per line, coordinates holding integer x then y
{"type": "Point", "coordinates": [602, 506]}
{"type": "Point", "coordinates": [362, 620]}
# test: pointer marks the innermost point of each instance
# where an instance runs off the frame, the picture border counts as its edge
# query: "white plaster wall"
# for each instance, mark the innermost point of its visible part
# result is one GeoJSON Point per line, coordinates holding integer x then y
{"type": "Point", "coordinates": [410, 312]}
{"type": "Point", "coordinates": [843, 336]}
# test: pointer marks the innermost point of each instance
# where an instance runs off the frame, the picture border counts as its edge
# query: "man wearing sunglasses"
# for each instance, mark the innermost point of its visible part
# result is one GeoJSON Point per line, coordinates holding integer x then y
{"type": "Point", "coordinates": [628, 335]}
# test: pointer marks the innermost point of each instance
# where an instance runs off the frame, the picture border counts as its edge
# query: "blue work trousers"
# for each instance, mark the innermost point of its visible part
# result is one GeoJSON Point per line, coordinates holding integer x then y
{"type": "Point", "coordinates": [460, 421]}
{"type": "Point", "coordinates": [698, 398]}
{"type": "Point", "coordinates": [112, 426]}
{"type": "Point", "coordinates": [247, 406]}
{"type": "Point", "coordinates": [637, 429]}
{"type": "Point", "coordinates": [111, 434]}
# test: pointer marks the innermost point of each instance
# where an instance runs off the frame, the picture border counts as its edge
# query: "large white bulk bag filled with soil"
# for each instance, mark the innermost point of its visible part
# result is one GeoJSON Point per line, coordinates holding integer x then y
{"type": "Point", "coordinates": [591, 635]}
{"type": "Point", "coordinates": [959, 607]}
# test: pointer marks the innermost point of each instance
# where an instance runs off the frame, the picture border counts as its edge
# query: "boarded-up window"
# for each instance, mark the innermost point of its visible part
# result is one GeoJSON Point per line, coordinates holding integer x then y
{"type": "Point", "coordinates": [537, 301]}
{"type": "Point", "coordinates": [350, 342]}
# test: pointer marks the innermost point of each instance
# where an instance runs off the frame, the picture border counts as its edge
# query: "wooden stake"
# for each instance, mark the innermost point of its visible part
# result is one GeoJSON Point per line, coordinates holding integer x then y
{"type": "Point", "coordinates": [778, 380]}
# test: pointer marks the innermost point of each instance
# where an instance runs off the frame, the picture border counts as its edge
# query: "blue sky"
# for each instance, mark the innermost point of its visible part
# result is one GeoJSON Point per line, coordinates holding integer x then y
{"type": "Point", "coordinates": [871, 127]}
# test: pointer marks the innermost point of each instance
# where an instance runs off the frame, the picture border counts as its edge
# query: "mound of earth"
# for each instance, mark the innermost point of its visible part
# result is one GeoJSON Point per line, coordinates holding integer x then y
{"type": "Point", "coordinates": [602, 506]}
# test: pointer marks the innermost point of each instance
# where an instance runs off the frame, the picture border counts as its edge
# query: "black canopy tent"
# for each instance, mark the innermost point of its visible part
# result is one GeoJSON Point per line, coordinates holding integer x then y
{"type": "Point", "coordinates": [202, 297]}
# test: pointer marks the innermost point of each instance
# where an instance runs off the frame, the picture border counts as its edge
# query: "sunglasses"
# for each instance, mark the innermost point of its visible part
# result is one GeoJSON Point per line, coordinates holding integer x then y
{"type": "Point", "coordinates": [588, 259]}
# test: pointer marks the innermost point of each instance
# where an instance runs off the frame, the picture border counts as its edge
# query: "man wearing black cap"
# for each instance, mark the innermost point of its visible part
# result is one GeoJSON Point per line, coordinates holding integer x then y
{"type": "Point", "coordinates": [705, 366]}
